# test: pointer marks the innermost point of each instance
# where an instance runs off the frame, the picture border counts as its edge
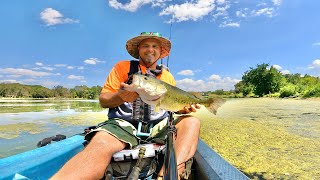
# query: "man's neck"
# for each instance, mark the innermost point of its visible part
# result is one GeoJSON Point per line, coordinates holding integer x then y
{"type": "Point", "coordinates": [149, 66]}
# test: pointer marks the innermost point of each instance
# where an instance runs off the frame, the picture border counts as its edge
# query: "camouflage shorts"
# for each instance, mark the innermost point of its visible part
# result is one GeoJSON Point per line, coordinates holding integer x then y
{"type": "Point", "coordinates": [126, 132]}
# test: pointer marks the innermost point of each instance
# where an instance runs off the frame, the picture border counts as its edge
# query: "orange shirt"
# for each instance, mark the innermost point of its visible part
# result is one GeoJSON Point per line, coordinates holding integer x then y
{"type": "Point", "coordinates": [119, 73]}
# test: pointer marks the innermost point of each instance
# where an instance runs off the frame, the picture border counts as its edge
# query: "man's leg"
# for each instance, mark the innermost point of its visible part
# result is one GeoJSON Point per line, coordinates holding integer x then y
{"type": "Point", "coordinates": [186, 143]}
{"type": "Point", "coordinates": [92, 162]}
{"type": "Point", "coordinates": [188, 129]}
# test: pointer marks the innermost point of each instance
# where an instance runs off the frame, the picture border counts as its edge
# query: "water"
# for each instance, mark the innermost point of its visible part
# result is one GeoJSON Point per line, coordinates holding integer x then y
{"type": "Point", "coordinates": [23, 123]}
{"type": "Point", "coordinates": [264, 138]}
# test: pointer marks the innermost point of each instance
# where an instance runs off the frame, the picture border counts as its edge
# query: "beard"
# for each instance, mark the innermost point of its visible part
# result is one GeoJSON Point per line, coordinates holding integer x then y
{"type": "Point", "coordinates": [149, 59]}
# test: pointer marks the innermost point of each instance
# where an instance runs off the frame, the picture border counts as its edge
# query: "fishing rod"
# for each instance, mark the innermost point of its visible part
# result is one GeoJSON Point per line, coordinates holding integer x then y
{"type": "Point", "coordinates": [168, 57]}
{"type": "Point", "coordinates": [170, 161]}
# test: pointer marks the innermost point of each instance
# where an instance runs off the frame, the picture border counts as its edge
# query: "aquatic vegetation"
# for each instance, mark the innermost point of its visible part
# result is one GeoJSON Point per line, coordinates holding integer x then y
{"type": "Point", "coordinates": [263, 147]}
{"type": "Point", "coordinates": [82, 119]}
{"type": "Point", "coordinates": [11, 131]}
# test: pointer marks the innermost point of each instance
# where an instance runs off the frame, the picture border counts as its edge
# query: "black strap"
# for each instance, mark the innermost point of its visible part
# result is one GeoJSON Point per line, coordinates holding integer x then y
{"type": "Point", "coordinates": [134, 68]}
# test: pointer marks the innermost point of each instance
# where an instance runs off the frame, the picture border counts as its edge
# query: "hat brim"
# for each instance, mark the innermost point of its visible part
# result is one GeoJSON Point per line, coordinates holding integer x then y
{"type": "Point", "coordinates": [132, 45]}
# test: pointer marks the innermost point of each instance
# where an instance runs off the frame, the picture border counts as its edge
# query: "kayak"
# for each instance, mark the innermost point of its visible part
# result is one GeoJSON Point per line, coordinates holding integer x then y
{"type": "Point", "coordinates": [43, 162]}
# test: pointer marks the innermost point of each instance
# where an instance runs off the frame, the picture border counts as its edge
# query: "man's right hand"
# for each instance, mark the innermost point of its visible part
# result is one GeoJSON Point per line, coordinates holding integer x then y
{"type": "Point", "coordinates": [125, 95]}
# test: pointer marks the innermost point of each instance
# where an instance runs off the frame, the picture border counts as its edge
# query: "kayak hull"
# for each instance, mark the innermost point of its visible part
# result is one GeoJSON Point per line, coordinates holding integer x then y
{"type": "Point", "coordinates": [43, 162]}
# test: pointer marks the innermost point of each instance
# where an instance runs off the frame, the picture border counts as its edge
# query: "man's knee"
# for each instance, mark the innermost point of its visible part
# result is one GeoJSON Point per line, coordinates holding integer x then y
{"type": "Point", "coordinates": [106, 141]}
{"type": "Point", "coordinates": [190, 122]}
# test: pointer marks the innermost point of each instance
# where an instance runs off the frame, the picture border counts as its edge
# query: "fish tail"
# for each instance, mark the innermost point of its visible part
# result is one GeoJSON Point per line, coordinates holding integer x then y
{"type": "Point", "coordinates": [212, 104]}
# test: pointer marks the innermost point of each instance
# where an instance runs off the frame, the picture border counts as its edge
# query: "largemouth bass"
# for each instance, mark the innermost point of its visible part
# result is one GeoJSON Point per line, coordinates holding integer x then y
{"type": "Point", "coordinates": [173, 98]}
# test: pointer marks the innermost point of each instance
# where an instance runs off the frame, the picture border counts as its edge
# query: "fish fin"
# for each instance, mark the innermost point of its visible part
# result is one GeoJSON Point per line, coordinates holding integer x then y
{"type": "Point", "coordinates": [197, 95]}
{"type": "Point", "coordinates": [212, 104]}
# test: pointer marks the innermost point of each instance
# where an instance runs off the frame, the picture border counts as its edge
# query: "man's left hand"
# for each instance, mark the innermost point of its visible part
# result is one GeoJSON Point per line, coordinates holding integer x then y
{"type": "Point", "coordinates": [189, 109]}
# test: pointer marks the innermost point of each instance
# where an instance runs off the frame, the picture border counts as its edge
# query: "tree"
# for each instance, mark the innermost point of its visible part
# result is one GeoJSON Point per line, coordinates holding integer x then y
{"type": "Point", "coordinates": [244, 88]}
{"type": "Point", "coordinates": [264, 80]}
{"type": "Point", "coordinates": [60, 91]}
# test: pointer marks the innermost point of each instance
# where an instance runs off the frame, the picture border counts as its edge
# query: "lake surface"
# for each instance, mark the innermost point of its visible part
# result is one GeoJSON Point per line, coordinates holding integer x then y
{"type": "Point", "coordinates": [264, 138]}
{"type": "Point", "coordinates": [23, 123]}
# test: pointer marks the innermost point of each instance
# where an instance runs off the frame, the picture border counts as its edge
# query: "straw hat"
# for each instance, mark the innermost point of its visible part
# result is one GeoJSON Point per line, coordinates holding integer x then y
{"type": "Point", "coordinates": [132, 44]}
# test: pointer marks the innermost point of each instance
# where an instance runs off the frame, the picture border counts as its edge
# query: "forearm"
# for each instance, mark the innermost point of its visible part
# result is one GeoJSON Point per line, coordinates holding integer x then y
{"type": "Point", "coordinates": [111, 100]}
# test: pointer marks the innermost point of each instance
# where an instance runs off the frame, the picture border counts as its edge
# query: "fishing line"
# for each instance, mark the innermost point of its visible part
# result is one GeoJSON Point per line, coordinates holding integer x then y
{"type": "Point", "coordinates": [170, 40]}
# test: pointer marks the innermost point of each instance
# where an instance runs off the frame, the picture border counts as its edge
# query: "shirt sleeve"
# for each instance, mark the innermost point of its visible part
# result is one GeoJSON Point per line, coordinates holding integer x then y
{"type": "Point", "coordinates": [117, 75]}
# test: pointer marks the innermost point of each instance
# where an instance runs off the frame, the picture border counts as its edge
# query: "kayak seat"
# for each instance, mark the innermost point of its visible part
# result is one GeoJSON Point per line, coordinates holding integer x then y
{"type": "Point", "coordinates": [141, 162]}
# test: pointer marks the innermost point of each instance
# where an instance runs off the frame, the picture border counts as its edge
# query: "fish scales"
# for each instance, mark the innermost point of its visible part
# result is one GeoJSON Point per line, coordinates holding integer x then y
{"type": "Point", "coordinates": [173, 98]}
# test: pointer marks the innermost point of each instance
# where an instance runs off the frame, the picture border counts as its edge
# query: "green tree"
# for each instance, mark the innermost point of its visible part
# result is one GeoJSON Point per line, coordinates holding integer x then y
{"type": "Point", "coordinates": [264, 80]}
{"type": "Point", "coordinates": [81, 91]}
{"type": "Point", "coordinates": [244, 88]}
{"type": "Point", "coordinates": [38, 91]}
{"type": "Point", "coordinates": [60, 91]}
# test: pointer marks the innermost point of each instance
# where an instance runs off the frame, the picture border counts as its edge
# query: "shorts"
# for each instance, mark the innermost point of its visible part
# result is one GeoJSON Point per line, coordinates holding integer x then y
{"type": "Point", "coordinates": [126, 132]}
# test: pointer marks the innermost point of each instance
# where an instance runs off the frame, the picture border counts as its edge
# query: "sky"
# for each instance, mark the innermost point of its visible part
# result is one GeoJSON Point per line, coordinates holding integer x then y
{"type": "Point", "coordinates": [214, 42]}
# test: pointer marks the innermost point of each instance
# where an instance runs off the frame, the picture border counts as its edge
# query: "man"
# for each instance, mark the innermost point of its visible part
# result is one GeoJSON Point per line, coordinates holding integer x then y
{"type": "Point", "coordinates": [120, 130]}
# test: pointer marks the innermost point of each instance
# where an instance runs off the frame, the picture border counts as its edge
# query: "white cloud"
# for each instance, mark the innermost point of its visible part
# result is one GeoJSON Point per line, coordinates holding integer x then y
{"type": "Point", "coordinates": [80, 68]}
{"type": "Point", "coordinates": [221, 2]}
{"type": "Point", "coordinates": [48, 68]}
{"type": "Point", "coordinates": [222, 11]}
{"type": "Point", "coordinates": [29, 80]}
{"type": "Point", "coordinates": [277, 2]}
{"type": "Point", "coordinates": [316, 44]}
{"type": "Point", "coordinates": [134, 5]}
{"type": "Point", "coordinates": [269, 12]}
{"type": "Point", "coordinates": [92, 61]}
{"type": "Point", "coordinates": [229, 24]}
{"type": "Point", "coordinates": [188, 84]}
{"type": "Point", "coordinates": [53, 17]}
{"type": "Point", "coordinates": [189, 10]}
{"type": "Point", "coordinates": [227, 13]}
{"type": "Point", "coordinates": [74, 77]}
{"type": "Point", "coordinates": [186, 72]}
{"type": "Point", "coordinates": [214, 77]}
{"type": "Point", "coordinates": [13, 76]}
{"type": "Point", "coordinates": [39, 64]}
{"type": "Point", "coordinates": [241, 13]}
{"type": "Point", "coordinates": [60, 65]}
{"type": "Point", "coordinates": [315, 64]}
{"type": "Point", "coordinates": [9, 81]}
{"type": "Point", "coordinates": [285, 72]}
{"type": "Point", "coordinates": [277, 67]}
{"type": "Point", "coordinates": [70, 67]}
{"type": "Point", "coordinates": [49, 84]}
{"type": "Point", "coordinates": [23, 72]}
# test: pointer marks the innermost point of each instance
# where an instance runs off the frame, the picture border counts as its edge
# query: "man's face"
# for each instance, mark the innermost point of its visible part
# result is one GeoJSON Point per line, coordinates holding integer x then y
{"type": "Point", "coordinates": [149, 51]}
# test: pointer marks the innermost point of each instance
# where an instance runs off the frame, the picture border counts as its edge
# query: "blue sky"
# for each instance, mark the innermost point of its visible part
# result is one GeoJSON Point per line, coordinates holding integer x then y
{"type": "Point", "coordinates": [76, 42]}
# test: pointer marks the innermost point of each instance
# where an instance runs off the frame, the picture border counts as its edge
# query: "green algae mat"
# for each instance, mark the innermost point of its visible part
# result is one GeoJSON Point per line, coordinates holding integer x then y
{"type": "Point", "coordinates": [267, 138]}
